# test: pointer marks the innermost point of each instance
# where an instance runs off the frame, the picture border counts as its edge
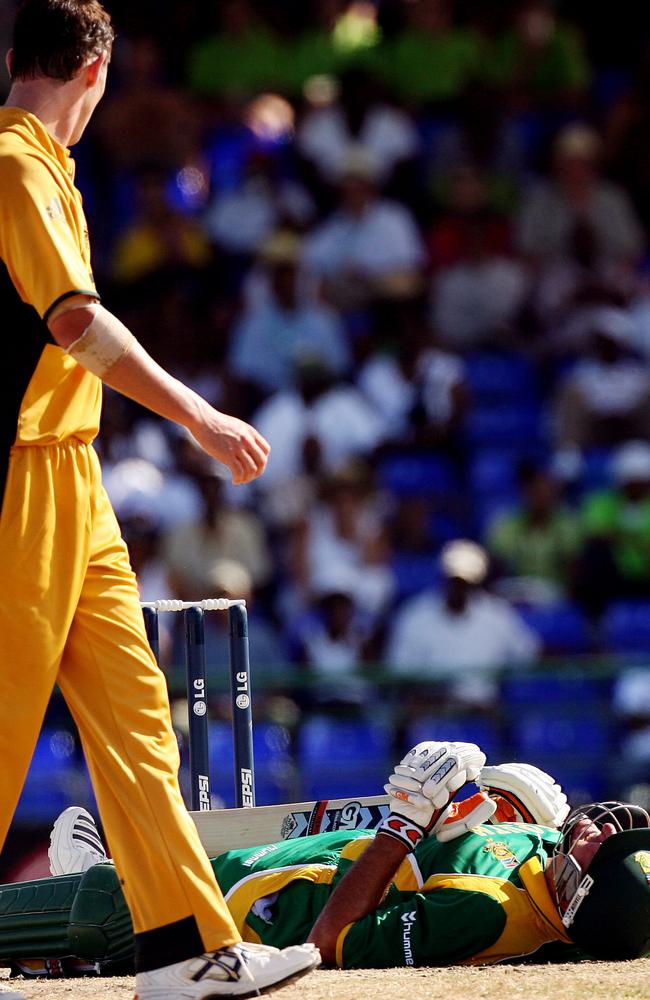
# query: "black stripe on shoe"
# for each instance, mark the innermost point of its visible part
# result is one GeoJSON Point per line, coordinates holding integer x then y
{"type": "Point", "coordinates": [95, 844]}
{"type": "Point", "coordinates": [225, 959]}
{"type": "Point", "coordinates": [87, 832]}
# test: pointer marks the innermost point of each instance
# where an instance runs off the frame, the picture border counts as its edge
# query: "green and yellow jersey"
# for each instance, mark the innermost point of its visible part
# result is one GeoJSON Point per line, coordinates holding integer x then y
{"type": "Point", "coordinates": [45, 396]}
{"type": "Point", "coordinates": [477, 900]}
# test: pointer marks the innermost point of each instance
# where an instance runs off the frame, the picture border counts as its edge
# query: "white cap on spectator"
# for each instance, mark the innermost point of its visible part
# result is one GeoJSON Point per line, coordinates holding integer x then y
{"type": "Point", "coordinates": [464, 560]}
{"type": "Point", "coordinates": [230, 578]}
{"type": "Point", "coordinates": [631, 463]}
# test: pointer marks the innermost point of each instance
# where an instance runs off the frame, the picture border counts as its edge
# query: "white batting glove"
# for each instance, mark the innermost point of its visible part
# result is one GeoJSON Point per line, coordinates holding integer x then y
{"type": "Point", "coordinates": [524, 794]}
{"type": "Point", "coordinates": [424, 782]}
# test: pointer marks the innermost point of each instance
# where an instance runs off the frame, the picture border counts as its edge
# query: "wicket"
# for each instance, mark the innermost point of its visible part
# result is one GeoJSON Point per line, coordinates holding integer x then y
{"type": "Point", "coordinates": [197, 704]}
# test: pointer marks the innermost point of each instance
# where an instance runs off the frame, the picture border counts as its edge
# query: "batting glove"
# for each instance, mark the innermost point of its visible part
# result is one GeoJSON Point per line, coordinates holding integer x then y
{"type": "Point", "coordinates": [422, 785]}
{"type": "Point", "coordinates": [524, 794]}
{"type": "Point", "coordinates": [461, 817]}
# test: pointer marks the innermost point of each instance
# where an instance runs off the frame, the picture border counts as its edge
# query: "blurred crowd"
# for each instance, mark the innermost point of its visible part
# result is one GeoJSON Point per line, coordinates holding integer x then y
{"type": "Point", "coordinates": [409, 242]}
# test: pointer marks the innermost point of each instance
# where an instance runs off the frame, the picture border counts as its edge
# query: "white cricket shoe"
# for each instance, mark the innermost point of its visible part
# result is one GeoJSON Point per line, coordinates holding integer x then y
{"type": "Point", "coordinates": [243, 970]}
{"type": "Point", "coordinates": [75, 844]}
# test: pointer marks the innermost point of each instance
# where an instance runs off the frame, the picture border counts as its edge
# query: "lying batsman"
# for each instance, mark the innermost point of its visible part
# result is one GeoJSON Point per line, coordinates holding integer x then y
{"type": "Point", "coordinates": [507, 873]}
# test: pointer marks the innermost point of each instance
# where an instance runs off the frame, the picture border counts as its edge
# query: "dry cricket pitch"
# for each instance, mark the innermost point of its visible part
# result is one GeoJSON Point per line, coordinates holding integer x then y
{"type": "Point", "coordinates": [590, 980]}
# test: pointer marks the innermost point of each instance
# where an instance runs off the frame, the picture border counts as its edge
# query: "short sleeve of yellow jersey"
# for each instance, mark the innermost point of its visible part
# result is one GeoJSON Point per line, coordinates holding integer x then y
{"type": "Point", "coordinates": [41, 235]}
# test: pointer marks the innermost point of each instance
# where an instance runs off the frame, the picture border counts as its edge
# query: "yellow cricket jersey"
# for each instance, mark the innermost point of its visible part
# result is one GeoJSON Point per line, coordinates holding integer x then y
{"type": "Point", "coordinates": [45, 396]}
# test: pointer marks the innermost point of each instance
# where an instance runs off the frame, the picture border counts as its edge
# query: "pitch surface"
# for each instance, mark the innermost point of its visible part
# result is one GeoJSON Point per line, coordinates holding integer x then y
{"type": "Point", "coordinates": [596, 980]}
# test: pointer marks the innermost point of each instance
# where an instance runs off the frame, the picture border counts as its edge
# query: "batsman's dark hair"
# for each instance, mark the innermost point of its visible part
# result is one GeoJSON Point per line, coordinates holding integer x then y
{"type": "Point", "coordinates": [55, 38]}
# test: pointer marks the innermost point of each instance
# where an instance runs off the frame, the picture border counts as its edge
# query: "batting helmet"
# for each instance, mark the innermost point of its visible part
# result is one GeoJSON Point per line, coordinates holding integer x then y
{"type": "Point", "coordinates": [606, 907]}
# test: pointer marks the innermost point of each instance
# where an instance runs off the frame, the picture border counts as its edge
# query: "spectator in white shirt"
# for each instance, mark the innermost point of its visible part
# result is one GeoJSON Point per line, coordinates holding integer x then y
{"type": "Point", "coordinates": [220, 531]}
{"type": "Point", "coordinates": [329, 643]}
{"type": "Point", "coordinates": [239, 221]}
{"type": "Point", "coordinates": [464, 633]}
{"type": "Point", "coordinates": [344, 536]}
{"type": "Point", "coordinates": [369, 247]}
{"type": "Point", "coordinates": [578, 198]}
{"type": "Point", "coordinates": [478, 286]}
{"type": "Point", "coordinates": [605, 399]}
{"type": "Point", "coordinates": [386, 134]}
{"type": "Point", "coordinates": [332, 421]}
{"type": "Point", "coordinates": [283, 327]}
{"type": "Point", "coordinates": [230, 579]}
{"type": "Point", "coordinates": [418, 389]}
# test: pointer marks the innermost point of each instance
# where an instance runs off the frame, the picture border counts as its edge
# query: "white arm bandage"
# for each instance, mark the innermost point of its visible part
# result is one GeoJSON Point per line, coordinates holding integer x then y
{"type": "Point", "coordinates": [102, 344]}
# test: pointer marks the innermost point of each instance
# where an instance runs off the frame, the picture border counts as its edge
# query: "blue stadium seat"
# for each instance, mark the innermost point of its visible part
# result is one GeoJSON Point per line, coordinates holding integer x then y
{"type": "Point", "coordinates": [562, 723]}
{"type": "Point", "coordinates": [626, 627]}
{"type": "Point", "coordinates": [581, 736]}
{"type": "Point", "coordinates": [274, 768]}
{"type": "Point", "coordinates": [275, 771]}
{"type": "Point", "coordinates": [557, 691]}
{"type": "Point", "coordinates": [55, 779]}
{"type": "Point", "coordinates": [445, 526]}
{"type": "Point", "coordinates": [584, 779]}
{"type": "Point", "coordinates": [339, 757]}
{"type": "Point", "coordinates": [468, 728]}
{"type": "Point", "coordinates": [487, 507]}
{"type": "Point", "coordinates": [503, 425]}
{"type": "Point", "coordinates": [414, 573]}
{"type": "Point", "coordinates": [228, 150]}
{"type": "Point", "coordinates": [562, 627]}
{"type": "Point", "coordinates": [596, 467]}
{"type": "Point", "coordinates": [494, 470]}
{"type": "Point", "coordinates": [411, 474]}
{"type": "Point", "coordinates": [500, 377]}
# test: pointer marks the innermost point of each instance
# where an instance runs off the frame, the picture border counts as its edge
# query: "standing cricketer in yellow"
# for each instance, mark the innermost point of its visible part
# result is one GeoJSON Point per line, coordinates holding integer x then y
{"type": "Point", "coordinates": [69, 606]}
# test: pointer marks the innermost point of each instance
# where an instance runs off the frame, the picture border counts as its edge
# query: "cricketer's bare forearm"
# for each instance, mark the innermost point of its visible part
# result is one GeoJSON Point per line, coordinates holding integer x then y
{"type": "Point", "coordinates": [359, 892]}
{"type": "Point", "coordinates": [138, 376]}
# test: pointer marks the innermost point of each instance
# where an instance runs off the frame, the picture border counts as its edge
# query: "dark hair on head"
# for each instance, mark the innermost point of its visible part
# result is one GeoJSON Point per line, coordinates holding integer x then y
{"type": "Point", "coordinates": [55, 38]}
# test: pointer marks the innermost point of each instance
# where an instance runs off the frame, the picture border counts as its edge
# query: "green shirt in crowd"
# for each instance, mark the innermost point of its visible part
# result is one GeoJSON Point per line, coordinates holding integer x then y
{"type": "Point", "coordinates": [561, 65]}
{"type": "Point", "coordinates": [529, 549]}
{"type": "Point", "coordinates": [419, 66]}
{"type": "Point", "coordinates": [220, 65]}
{"type": "Point", "coordinates": [608, 514]}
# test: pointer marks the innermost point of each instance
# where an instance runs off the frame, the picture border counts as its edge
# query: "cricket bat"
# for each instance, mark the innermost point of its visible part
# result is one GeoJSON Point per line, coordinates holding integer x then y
{"type": "Point", "coordinates": [224, 829]}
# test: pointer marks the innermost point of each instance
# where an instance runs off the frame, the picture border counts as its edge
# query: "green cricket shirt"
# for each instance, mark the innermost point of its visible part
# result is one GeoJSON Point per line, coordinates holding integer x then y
{"type": "Point", "coordinates": [479, 899]}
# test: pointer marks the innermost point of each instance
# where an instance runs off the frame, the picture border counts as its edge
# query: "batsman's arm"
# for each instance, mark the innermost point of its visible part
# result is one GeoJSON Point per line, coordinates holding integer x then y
{"type": "Point", "coordinates": [99, 342]}
{"type": "Point", "coordinates": [419, 791]}
{"type": "Point", "coordinates": [358, 893]}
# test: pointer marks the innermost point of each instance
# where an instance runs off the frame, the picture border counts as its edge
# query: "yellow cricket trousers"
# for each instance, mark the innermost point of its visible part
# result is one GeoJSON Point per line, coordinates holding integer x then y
{"type": "Point", "coordinates": [70, 614]}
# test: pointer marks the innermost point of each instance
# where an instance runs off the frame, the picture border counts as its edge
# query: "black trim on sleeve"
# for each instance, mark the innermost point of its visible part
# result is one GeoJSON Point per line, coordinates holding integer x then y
{"type": "Point", "coordinates": [167, 945]}
{"type": "Point", "coordinates": [29, 336]}
{"type": "Point", "coordinates": [68, 295]}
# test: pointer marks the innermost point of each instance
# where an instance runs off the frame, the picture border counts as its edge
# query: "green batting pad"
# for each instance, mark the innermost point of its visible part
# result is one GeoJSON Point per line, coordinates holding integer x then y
{"type": "Point", "coordinates": [34, 917]}
{"type": "Point", "coordinates": [100, 927]}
